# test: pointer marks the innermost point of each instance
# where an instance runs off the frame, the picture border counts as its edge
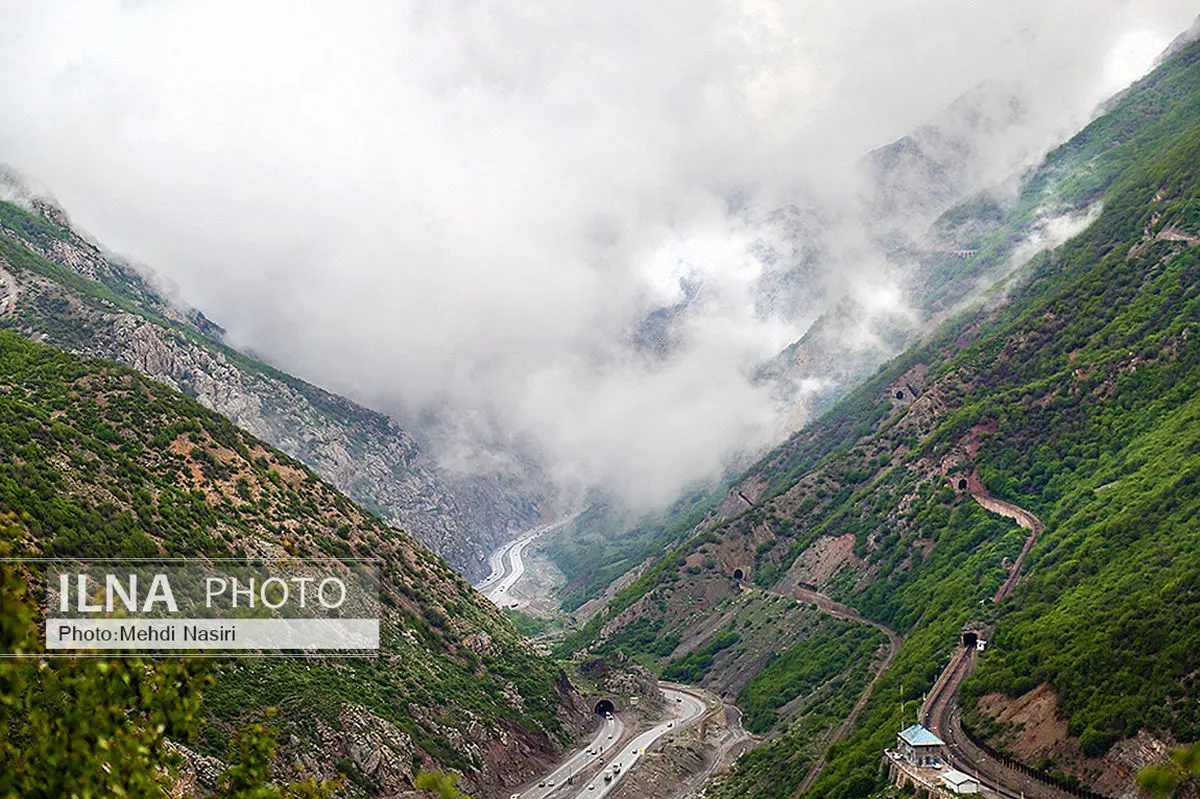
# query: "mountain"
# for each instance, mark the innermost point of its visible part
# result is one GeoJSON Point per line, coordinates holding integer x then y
{"type": "Point", "coordinates": [100, 461]}
{"type": "Point", "coordinates": [907, 189]}
{"type": "Point", "coordinates": [1069, 393]}
{"type": "Point", "coordinates": [909, 217]}
{"type": "Point", "coordinates": [58, 287]}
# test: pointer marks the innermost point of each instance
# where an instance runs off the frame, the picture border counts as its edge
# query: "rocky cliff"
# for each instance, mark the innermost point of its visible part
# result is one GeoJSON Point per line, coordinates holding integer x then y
{"type": "Point", "coordinates": [58, 287]}
{"type": "Point", "coordinates": [100, 461]}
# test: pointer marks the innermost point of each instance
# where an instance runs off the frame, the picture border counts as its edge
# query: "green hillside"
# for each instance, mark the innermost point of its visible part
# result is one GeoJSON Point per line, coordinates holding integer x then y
{"type": "Point", "coordinates": [600, 546]}
{"type": "Point", "coordinates": [1072, 391]}
{"type": "Point", "coordinates": [60, 288]}
{"type": "Point", "coordinates": [102, 462]}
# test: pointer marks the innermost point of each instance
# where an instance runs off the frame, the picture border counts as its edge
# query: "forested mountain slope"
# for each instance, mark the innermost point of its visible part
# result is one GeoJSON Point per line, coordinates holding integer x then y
{"type": "Point", "coordinates": [99, 461]}
{"type": "Point", "coordinates": [936, 257]}
{"type": "Point", "coordinates": [58, 287]}
{"type": "Point", "coordinates": [1072, 391]}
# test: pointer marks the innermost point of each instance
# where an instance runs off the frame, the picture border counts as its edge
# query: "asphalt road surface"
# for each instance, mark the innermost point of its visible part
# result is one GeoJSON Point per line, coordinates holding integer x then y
{"type": "Point", "coordinates": [511, 569]}
{"type": "Point", "coordinates": [556, 782]}
{"type": "Point", "coordinates": [508, 565]}
{"type": "Point", "coordinates": [682, 709]}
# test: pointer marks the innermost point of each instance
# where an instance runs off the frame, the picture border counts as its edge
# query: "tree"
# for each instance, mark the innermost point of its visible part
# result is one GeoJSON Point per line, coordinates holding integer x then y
{"type": "Point", "coordinates": [444, 785]}
{"type": "Point", "coordinates": [79, 726]}
{"type": "Point", "coordinates": [250, 776]}
{"type": "Point", "coordinates": [1182, 769]}
{"type": "Point", "coordinates": [87, 727]}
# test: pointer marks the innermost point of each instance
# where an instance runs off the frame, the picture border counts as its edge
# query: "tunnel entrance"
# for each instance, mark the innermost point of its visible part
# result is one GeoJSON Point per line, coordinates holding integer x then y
{"type": "Point", "coordinates": [738, 574]}
{"type": "Point", "coordinates": [962, 484]}
{"type": "Point", "coordinates": [605, 707]}
{"type": "Point", "coordinates": [969, 639]}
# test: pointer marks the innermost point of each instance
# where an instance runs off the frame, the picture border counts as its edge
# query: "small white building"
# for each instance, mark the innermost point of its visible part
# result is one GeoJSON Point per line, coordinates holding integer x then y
{"type": "Point", "coordinates": [959, 782]}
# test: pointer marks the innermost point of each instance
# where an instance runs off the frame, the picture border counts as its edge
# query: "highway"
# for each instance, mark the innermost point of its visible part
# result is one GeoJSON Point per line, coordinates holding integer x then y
{"type": "Point", "coordinates": [557, 781]}
{"type": "Point", "coordinates": [508, 565]}
{"type": "Point", "coordinates": [682, 709]}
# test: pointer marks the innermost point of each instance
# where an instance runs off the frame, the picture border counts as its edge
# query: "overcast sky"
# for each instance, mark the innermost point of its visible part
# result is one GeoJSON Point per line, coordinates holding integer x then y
{"type": "Point", "coordinates": [468, 206]}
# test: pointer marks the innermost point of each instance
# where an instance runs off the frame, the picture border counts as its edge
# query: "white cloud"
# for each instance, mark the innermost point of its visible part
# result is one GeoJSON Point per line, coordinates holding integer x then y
{"type": "Point", "coordinates": [468, 207]}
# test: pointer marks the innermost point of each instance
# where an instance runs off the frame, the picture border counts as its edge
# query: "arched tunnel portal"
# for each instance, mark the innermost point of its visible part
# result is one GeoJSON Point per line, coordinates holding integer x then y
{"type": "Point", "coordinates": [605, 706]}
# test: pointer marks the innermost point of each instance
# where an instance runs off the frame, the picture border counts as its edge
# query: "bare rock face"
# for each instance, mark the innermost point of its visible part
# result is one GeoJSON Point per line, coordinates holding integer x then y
{"type": "Point", "coordinates": [380, 750]}
{"type": "Point", "coordinates": [8, 292]}
{"type": "Point", "coordinates": [198, 774]}
{"type": "Point", "coordinates": [635, 681]}
{"type": "Point", "coordinates": [573, 709]}
{"type": "Point", "coordinates": [363, 453]}
{"type": "Point", "coordinates": [1038, 731]}
{"type": "Point", "coordinates": [59, 288]}
{"type": "Point", "coordinates": [388, 758]}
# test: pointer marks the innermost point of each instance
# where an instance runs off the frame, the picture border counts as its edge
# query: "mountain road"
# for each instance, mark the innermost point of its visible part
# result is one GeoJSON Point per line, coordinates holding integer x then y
{"type": "Point", "coordinates": [582, 775]}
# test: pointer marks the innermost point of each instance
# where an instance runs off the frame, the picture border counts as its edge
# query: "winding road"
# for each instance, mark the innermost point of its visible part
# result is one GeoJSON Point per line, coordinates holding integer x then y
{"type": "Point", "coordinates": [941, 710]}
{"type": "Point", "coordinates": [587, 767]}
{"type": "Point", "coordinates": [556, 783]}
{"type": "Point", "coordinates": [1024, 519]}
{"type": "Point", "coordinates": [941, 714]}
{"type": "Point", "coordinates": [847, 613]}
{"type": "Point", "coordinates": [508, 565]}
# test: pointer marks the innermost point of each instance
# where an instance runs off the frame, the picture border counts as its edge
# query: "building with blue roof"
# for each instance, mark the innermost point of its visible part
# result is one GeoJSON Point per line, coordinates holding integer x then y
{"type": "Point", "coordinates": [920, 747]}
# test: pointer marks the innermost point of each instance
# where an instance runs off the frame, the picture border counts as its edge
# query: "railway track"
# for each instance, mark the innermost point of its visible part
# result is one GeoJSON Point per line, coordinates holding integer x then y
{"type": "Point", "coordinates": [1023, 518]}
{"type": "Point", "coordinates": [940, 712]}
{"type": "Point", "coordinates": [846, 613]}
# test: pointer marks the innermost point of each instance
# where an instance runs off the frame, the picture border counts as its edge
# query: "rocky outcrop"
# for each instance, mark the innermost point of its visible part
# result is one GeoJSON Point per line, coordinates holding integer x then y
{"type": "Point", "coordinates": [379, 750]}
{"type": "Point", "coordinates": [634, 681]}
{"type": "Point", "coordinates": [8, 292]}
{"type": "Point", "coordinates": [374, 751]}
{"type": "Point", "coordinates": [198, 774]}
{"type": "Point", "coordinates": [1036, 733]}
{"type": "Point", "coordinates": [363, 453]}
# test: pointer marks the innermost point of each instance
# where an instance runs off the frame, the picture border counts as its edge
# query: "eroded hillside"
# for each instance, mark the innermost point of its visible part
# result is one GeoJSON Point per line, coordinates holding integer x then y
{"type": "Point", "coordinates": [1069, 391]}
{"type": "Point", "coordinates": [103, 462]}
{"type": "Point", "coordinates": [58, 287]}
